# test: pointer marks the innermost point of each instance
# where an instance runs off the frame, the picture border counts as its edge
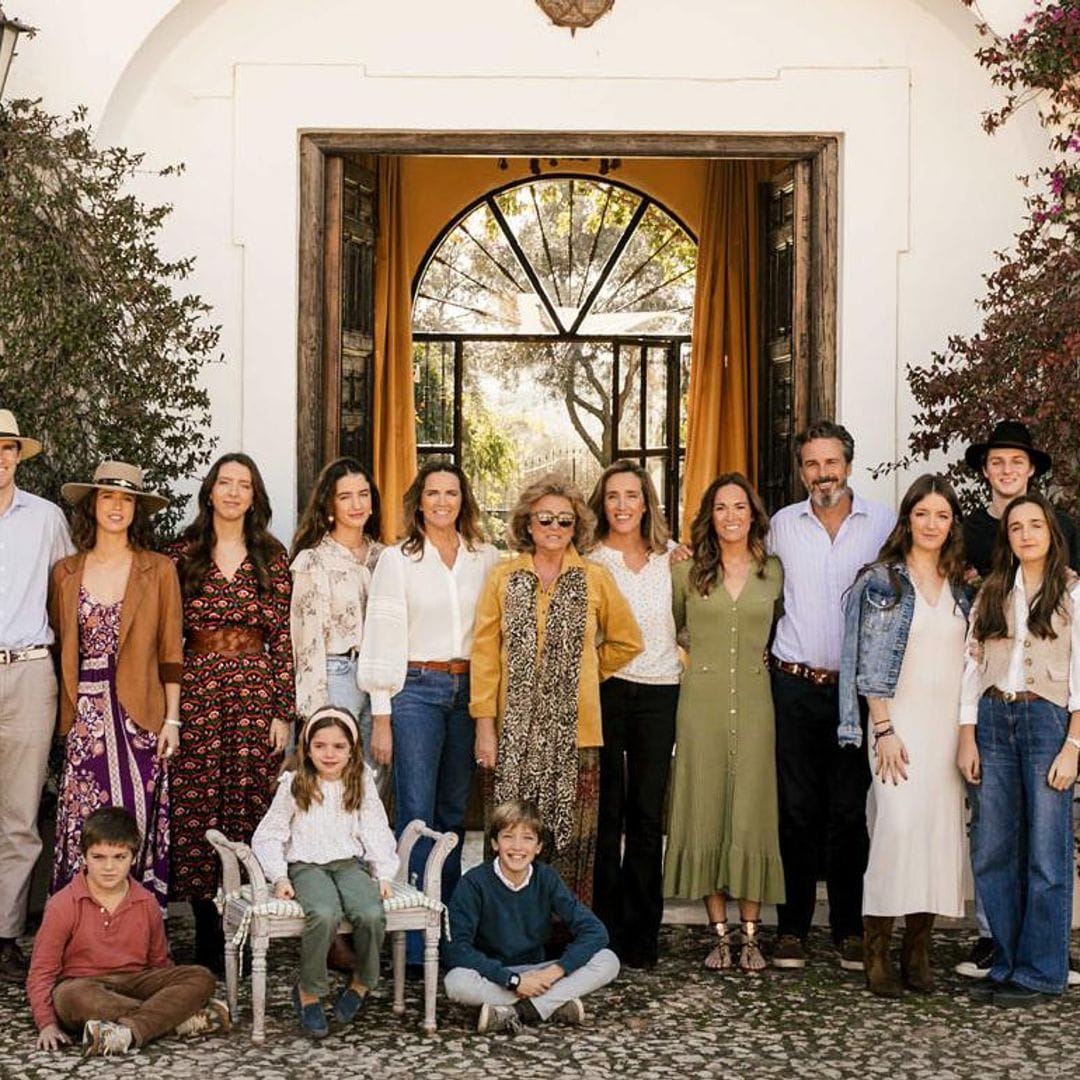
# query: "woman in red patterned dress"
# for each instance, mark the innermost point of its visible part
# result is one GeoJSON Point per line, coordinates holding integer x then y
{"type": "Point", "coordinates": [237, 695]}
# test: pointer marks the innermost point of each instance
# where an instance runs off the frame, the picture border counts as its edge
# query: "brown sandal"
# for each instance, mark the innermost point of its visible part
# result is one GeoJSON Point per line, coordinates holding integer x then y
{"type": "Point", "coordinates": [751, 960]}
{"type": "Point", "coordinates": [720, 957]}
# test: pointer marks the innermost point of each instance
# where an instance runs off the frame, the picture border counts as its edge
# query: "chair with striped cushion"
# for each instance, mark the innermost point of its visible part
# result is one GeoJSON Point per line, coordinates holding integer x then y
{"type": "Point", "coordinates": [251, 913]}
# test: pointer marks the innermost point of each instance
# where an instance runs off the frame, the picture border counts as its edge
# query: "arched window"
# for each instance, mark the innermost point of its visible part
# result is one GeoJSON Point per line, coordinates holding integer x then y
{"type": "Point", "coordinates": [551, 324]}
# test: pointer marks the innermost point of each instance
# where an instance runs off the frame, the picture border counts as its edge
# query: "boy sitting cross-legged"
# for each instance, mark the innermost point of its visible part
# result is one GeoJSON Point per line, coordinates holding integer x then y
{"type": "Point", "coordinates": [100, 962]}
{"type": "Point", "coordinates": [500, 922]}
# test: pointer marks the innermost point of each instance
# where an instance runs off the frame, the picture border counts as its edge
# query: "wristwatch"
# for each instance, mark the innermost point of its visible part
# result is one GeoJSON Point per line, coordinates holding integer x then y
{"type": "Point", "coordinates": [514, 981]}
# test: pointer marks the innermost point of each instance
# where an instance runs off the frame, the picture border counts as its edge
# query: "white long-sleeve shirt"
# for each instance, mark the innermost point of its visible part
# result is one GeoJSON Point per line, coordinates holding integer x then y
{"type": "Point", "coordinates": [326, 831]}
{"type": "Point", "coordinates": [418, 609]}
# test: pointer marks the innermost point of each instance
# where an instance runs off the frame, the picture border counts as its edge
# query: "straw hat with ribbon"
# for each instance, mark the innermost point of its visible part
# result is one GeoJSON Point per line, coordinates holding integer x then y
{"type": "Point", "coordinates": [9, 432]}
{"type": "Point", "coordinates": [116, 476]}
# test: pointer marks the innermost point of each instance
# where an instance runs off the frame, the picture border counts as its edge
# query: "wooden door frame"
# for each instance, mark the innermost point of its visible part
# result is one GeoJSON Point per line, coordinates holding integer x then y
{"type": "Point", "coordinates": [817, 153]}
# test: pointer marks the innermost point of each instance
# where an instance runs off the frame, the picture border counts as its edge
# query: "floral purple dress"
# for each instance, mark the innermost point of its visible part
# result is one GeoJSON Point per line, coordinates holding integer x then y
{"type": "Point", "coordinates": [109, 760]}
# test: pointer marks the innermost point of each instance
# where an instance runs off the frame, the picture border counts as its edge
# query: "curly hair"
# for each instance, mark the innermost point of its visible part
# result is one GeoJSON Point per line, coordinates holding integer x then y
{"type": "Point", "coordinates": [199, 538]}
{"type": "Point", "coordinates": [84, 524]}
{"type": "Point", "coordinates": [653, 526]}
{"type": "Point", "coordinates": [897, 544]}
{"type": "Point", "coordinates": [518, 535]}
{"type": "Point", "coordinates": [708, 559]}
{"type": "Point", "coordinates": [468, 522]}
{"type": "Point", "coordinates": [306, 785]}
{"type": "Point", "coordinates": [315, 521]}
{"type": "Point", "coordinates": [990, 619]}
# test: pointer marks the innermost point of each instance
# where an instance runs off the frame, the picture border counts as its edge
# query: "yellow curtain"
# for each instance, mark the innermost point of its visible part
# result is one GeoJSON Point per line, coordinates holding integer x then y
{"type": "Point", "coordinates": [394, 418]}
{"type": "Point", "coordinates": [722, 413]}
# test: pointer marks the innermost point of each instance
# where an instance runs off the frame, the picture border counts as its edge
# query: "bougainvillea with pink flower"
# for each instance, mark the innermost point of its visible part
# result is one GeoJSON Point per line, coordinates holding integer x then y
{"type": "Point", "coordinates": [1024, 362]}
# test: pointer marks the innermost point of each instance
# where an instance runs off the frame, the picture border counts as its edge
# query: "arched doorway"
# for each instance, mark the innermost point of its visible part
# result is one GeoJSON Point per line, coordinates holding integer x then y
{"type": "Point", "coordinates": [551, 329]}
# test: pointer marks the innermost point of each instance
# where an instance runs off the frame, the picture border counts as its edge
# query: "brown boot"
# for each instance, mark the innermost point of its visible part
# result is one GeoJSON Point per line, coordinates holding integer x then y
{"type": "Point", "coordinates": [915, 952]}
{"type": "Point", "coordinates": [880, 974]}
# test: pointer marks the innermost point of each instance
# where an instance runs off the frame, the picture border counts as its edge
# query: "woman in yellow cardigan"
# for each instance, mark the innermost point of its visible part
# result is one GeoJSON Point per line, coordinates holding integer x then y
{"type": "Point", "coordinates": [550, 627]}
{"type": "Point", "coordinates": [115, 609]}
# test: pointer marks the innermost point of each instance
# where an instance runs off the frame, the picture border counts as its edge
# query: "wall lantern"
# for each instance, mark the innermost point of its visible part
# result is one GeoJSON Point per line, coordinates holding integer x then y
{"type": "Point", "coordinates": [575, 14]}
{"type": "Point", "coordinates": [10, 29]}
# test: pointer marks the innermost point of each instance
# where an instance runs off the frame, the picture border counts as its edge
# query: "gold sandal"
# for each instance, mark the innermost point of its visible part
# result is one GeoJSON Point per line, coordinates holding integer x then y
{"type": "Point", "coordinates": [720, 957]}
{"type": "Point", "coordinates": [751, 961]}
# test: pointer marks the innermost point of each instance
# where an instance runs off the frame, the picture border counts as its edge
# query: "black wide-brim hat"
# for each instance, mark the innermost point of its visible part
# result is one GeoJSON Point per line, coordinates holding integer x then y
{"type": "Point", "coordinates": [1008, 435]}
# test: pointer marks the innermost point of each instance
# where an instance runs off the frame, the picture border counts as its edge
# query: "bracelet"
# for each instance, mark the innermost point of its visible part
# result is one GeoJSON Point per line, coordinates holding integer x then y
{"type": "Point", "coordinates": [1073, 741]}
{"type": "Point", "coordinates": [174, 723]}
{"type": "Point", "coordinates": [890, 730]}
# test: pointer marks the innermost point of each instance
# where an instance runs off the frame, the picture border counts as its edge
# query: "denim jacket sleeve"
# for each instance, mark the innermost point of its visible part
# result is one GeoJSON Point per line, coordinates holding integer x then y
{"type": "Point", "coordinates": [849, 731]}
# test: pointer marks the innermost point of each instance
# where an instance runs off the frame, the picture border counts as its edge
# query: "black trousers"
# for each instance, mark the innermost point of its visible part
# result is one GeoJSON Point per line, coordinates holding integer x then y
{"type": "Point", "coordinates": [639, 733]}
{"type": "Point", "coordinates": [822, 788]}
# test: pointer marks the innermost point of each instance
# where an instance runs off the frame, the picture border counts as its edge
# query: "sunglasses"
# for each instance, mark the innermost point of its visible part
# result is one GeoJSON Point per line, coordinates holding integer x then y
{"type": "Point", "coordinates": [546, 518]}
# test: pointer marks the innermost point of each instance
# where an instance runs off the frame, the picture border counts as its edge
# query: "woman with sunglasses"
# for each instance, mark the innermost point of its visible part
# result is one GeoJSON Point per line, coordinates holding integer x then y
{"type": "Point", "coordinates": [550, 627]}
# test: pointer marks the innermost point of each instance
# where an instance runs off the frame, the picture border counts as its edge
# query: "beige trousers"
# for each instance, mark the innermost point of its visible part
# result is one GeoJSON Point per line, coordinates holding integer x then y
{"type": "Point", "coordinates": [27, 721]}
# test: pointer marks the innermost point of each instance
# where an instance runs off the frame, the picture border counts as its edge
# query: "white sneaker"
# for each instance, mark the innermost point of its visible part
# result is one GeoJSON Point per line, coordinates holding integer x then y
{"type": "Point", "coordinates": [213, 1016]}
{"type": "Point", "coordinates": [1073, 979]}
{"type": "Point", "coordinates": [569, 1012]}
{"type": "Point", "coordinates": [103, 1038]}
{"type": "Point", "coordinates": [498, 1018]}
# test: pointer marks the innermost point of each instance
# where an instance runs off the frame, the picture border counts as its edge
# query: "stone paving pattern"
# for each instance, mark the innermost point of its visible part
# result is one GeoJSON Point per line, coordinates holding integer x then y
{"type": "Point", "coordinates": [677, 1021]}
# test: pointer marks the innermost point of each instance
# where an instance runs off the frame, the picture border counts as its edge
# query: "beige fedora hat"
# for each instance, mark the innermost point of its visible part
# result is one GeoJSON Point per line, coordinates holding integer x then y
{"type": "Point", "coordinates": [116, 476]}
{"type": "Point", "coordinates": [9, 432]}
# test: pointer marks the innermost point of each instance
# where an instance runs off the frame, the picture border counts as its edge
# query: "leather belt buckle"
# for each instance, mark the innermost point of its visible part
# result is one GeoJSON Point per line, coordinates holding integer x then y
{"type": "Point", "coordinates": [5, 656]}
{"type": "Point", "coordinates": [1008, 695]}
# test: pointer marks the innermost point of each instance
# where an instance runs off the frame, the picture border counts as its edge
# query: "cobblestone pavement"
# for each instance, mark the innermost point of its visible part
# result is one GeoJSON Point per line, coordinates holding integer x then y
{"type": "Point", "coordinates": [677, 1021]}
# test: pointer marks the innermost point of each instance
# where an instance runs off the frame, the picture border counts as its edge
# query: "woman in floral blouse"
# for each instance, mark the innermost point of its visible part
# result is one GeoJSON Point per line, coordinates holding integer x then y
{"type": "Point", "coordinates": [334, 553]}
{"type": "Point", "coordinates": [237, 690]}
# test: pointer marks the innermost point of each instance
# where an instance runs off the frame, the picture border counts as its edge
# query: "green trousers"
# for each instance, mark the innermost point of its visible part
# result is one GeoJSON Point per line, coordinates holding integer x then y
{"type": "Point", "coordinates": [329, 892]}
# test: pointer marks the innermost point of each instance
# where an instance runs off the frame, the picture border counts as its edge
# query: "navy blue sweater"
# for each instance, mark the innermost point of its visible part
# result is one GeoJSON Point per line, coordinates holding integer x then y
{"type": "Point", "coordinates": [493, 928]}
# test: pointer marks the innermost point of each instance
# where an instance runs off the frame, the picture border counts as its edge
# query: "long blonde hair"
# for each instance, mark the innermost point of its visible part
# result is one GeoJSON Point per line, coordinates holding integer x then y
{"type": "Point", "coordinates": [654, 528]}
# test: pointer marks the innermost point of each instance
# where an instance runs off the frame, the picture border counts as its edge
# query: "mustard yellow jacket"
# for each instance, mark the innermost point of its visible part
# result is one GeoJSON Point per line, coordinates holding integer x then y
{"type": "Point", "coordinates": [612, 640]}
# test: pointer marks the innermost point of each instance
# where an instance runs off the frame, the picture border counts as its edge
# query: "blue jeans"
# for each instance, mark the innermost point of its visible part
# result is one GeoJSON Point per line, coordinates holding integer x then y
{"type": "Point", "coordinates": [1023, 846]}
{"type": "Point", "coordinates": [434, 758]}
{"type": "Point", "coordinates": [980, 911]}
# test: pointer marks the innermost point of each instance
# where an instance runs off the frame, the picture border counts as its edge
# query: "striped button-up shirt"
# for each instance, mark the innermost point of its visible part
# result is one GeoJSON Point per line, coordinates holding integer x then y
{"type": "Point", "coordinates": [818, 570]}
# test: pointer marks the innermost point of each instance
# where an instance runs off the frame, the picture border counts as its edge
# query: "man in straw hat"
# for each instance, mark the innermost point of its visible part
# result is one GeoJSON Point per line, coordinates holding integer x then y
{"type": "Point", "coordinates": [33, 536]}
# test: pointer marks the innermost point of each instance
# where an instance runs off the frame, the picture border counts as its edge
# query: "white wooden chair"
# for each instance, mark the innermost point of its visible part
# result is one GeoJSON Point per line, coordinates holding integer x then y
{"type": "Point", "coordinates": [250, 912]}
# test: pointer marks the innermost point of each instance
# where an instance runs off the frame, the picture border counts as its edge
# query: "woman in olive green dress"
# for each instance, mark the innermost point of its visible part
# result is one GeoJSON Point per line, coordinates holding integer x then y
{"type": "Point", "coordinates": [722, 826]}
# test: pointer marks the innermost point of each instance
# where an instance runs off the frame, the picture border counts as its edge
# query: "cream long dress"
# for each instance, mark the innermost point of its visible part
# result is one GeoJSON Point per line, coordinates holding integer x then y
{"type": "Point", "coordinates": [917, 847]}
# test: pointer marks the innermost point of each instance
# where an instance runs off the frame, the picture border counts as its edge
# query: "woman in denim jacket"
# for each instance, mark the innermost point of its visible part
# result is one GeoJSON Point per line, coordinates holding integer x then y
{"type": "Point", "coordinates": [905, 619]}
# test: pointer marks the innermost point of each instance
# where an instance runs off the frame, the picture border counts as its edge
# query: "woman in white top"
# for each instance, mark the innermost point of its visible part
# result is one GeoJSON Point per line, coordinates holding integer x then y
{"type": "Point", "coordinates": [1019, 741]}
{"type": "Point", "coordinates": [333, 555]}
{"type": "Point", "coordinates": [638, 707]}
{"type": "Point", "coordinates": [414, 660]}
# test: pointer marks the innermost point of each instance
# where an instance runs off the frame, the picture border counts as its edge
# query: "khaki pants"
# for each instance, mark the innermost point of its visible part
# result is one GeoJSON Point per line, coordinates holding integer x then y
{"type": "Point", "coordinates": [27, 720]}
{"type": "Point", "coordinates": [150, 1002]}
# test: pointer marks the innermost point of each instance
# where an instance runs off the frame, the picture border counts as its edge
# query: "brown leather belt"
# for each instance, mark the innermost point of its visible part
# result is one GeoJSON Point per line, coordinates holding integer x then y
{"type": "Point", "coordinates": [230, 641]}
{"type": "Point", "coordinates": [451, 667]}
{"type": "Point", "coordinates": [817, 676]}
{"type": "Point", "coordinates": [1009, 695]}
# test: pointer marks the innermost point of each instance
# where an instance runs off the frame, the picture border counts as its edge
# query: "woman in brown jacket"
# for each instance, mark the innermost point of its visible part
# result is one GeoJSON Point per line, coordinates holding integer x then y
{"type": "Point", "coordinates": [115, 608]}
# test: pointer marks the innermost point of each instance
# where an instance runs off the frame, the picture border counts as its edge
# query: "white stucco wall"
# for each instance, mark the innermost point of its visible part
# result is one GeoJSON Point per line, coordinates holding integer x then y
{"type": "Point", "coordinates": [225, 85]}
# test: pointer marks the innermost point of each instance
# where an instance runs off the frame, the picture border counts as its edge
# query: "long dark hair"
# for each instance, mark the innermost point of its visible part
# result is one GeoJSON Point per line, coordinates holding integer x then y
{"type": "Point", "coordinates": [898, 543]}
{"type": "Point", "coordinates": [199, 537]}
{"type": "Point", "coordinates": [990, 619]}
{"type": "Point", "coordinates": [468, 522]}
{"type": "Point", "coordinates": [708, 565]}
{"type": "Point", "coordinates": [315, 521]}
{"type": "Point", "coordinates": [84, 524]}
{"type": "Point", "coordinates": [654, 528]}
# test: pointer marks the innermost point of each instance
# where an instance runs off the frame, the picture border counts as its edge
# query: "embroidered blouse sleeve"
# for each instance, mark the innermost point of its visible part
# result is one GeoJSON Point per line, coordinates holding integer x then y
{"type": "Point", "coordinates": [309, 614]}
{"type": "Point", "coordinates": [485, 666]}
{"type": "Point", "coordinates": [385, 649]}
{"type": "Point", "coordinates": [272, 833]}
{"type": "Point", "coordinates": [969, 685]}
{"type": "Point", "coordinates": [373, 831]}
{"type": "Point", "coordinates": [622, 636]}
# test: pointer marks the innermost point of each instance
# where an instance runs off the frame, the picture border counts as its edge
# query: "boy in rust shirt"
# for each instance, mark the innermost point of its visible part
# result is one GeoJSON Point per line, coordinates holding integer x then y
{"type": "Point", "coordinates": [100, 962]}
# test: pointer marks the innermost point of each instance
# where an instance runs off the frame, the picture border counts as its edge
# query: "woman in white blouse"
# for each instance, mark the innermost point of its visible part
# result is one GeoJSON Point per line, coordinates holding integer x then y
{"type": "Point", "coordinates": [1019, 741]}
{"type": "Point", "coordinates": [333, 555]}
{"type": "Point", "coordinates": [414, 660]}
{"type": "Point", "coordinates": [638, 707]}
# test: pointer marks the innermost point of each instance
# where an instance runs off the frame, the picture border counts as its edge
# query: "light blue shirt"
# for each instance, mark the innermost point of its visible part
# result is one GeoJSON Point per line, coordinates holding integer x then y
{"type": "Point", "coordinates": [818, 570]}
{"type": "Point", "coordinates": [33, 537]}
